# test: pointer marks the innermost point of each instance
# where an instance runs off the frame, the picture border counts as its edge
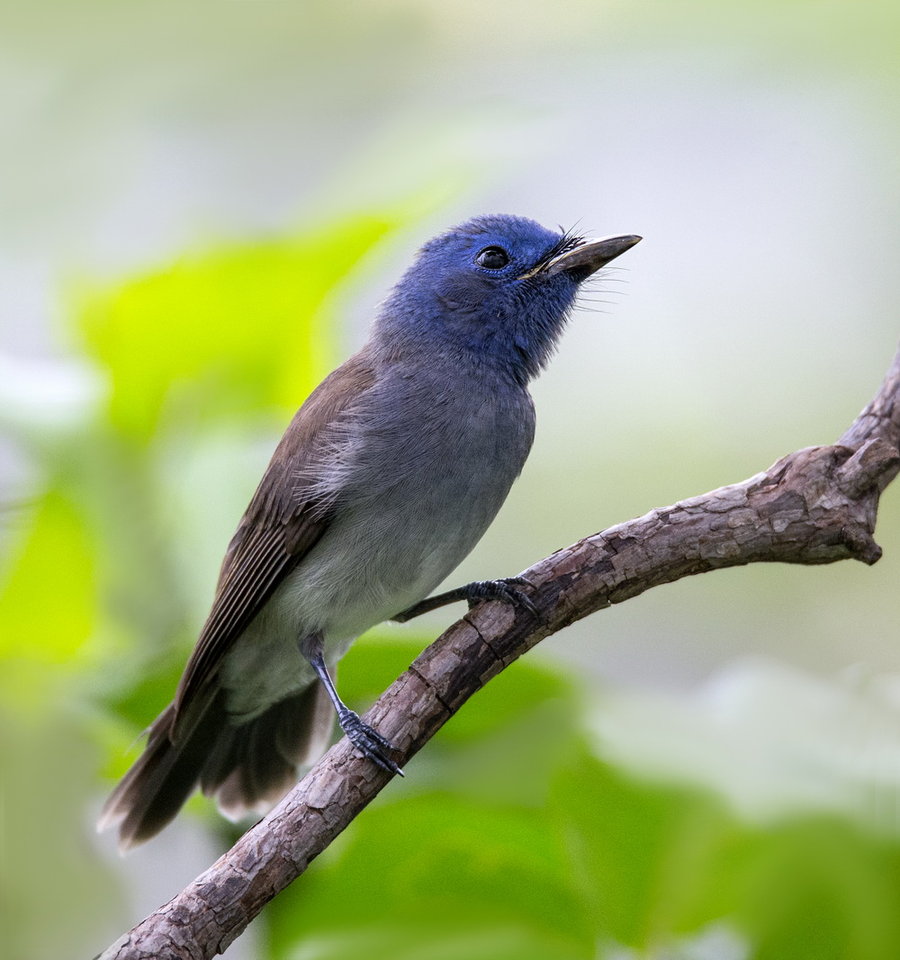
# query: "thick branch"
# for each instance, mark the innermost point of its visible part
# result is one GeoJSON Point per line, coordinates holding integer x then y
{"type": "Point", "coordinates": [814, 506]}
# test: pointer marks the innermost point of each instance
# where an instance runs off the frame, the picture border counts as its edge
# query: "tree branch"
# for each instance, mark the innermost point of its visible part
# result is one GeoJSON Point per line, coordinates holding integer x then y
{"type": "Point", "coordinates": [817, 505]}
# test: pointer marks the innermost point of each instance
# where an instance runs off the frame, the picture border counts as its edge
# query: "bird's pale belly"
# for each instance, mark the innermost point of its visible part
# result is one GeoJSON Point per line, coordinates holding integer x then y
{"type": "Point", "coordinates": [362, 572]}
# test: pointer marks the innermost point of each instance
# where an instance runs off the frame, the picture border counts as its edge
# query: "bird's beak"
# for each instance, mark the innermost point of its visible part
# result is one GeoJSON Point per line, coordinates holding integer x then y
{"type": "Point", "coordinates": [589, 256]}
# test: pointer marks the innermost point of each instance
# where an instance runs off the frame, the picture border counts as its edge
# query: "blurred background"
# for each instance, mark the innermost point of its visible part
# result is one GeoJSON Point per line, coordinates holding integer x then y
{"type": "Point", "coordinates": [202, 205]}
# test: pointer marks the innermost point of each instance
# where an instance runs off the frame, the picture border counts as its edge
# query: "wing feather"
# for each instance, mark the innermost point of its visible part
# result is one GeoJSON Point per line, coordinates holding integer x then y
{"type": "Point", "coordinates": [286, 518]}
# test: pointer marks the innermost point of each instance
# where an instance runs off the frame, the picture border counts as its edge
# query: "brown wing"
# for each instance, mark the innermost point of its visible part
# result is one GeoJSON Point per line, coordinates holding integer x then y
{"type": "Point", "coordinates": [283, 522]}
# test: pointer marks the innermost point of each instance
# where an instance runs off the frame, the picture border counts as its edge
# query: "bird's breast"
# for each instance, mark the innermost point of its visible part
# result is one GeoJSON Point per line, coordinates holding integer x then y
{"type": "Point", "coordinates": [430, 468]}
{"type": "Point", "coordinates": [416, 480]}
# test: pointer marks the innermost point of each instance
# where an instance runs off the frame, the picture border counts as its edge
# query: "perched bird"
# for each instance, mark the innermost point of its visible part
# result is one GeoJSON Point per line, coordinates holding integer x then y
{"type": "Point", "coordinates": [386, 478]}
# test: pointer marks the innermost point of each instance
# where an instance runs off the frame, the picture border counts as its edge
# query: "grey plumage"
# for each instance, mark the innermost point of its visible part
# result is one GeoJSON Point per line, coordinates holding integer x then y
{"type": "Point", "coordinates": [386, 478]}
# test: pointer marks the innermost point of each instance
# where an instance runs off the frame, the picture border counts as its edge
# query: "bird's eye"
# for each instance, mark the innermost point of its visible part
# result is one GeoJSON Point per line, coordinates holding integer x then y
{"type": "Point", "coordinates": [492, 258]}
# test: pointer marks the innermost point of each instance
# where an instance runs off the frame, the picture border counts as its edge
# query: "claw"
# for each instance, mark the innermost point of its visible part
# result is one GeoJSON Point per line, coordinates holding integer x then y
{"type": "Point", "coordinates": [368, 741]}
{"type": "Point", "coordinates": [504, 590]}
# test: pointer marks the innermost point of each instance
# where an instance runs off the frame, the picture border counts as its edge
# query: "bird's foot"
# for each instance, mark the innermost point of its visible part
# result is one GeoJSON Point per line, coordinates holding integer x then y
{"type": "Point", "coordinates": [478, 591]}
{"type": "Point", "coordinates": [507, 590]}
{"type": "Point", "coordinates": [368, 741]}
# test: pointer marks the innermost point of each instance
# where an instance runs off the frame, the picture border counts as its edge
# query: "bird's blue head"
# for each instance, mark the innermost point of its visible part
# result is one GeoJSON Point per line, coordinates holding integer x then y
{"type": "Point", "coordinates": [495, 290]}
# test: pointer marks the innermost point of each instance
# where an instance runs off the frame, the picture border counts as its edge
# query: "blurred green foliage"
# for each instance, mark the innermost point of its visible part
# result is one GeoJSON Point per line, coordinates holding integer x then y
{"type": "Point", "coordinates": [198, 335]}
{"type": "Point", "coordinates": [92, 586]}
{"type": "Point", "coordinates": [512, 836]}
{"type": "Point", "coordinates": [553, 852]}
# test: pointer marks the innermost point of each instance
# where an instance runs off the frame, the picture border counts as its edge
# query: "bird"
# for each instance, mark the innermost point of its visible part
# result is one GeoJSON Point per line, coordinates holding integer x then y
{"type": "Point", "coordinates": [386, 478]}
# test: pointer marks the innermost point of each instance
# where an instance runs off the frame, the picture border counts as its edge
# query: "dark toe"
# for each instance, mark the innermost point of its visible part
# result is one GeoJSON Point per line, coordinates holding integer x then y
{"type": "Point", "coordinates": [506, 590]}
{"type": "Point", "coordinates": [369, 742]}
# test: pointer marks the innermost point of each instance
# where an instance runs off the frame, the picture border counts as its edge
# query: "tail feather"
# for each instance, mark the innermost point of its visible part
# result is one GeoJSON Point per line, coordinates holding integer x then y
{"type": "Point", "coordinates": [254, 765]}
{"type": "Point", "coordinates": [247, 767]}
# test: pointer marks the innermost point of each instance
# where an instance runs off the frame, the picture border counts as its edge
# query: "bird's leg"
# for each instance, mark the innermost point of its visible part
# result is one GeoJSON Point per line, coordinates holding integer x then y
{"type": "Point", "coordinates": [366, 739]}
{"type": "Point", "coordinates": [506, 590]}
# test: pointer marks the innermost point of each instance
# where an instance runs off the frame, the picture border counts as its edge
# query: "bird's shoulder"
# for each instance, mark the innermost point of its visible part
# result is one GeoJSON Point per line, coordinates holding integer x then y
{"type": "Point", "coordinates": [290, 482]}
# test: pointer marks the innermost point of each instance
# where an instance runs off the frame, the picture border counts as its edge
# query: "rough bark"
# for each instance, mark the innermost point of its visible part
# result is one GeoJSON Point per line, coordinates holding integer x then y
{"type": "Point", "coordinates": [816, 505]}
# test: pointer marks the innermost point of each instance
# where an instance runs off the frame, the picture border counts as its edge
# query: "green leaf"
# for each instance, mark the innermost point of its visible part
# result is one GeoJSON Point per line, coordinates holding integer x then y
{"type": "Point", "coordinates": [225, 333]}
{"type": "Point", "coordinates": [436, 866]}
{"type": "Point", "coordinates": [47, 600]}
{"type": "Point", "coordinates": [644, 855]}
{"type": "Point", "coordinates": [819, 888]}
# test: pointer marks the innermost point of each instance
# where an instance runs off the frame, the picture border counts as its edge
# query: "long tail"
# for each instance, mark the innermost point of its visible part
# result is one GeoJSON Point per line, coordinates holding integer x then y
{"type": "Point", "coordinates": [247, 768]}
